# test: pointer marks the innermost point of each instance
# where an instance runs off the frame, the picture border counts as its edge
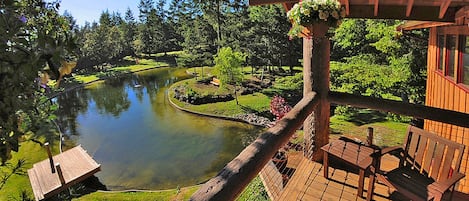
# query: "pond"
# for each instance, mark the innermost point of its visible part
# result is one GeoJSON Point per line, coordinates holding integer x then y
{"type": "Point", "coordinates": [142, 142]}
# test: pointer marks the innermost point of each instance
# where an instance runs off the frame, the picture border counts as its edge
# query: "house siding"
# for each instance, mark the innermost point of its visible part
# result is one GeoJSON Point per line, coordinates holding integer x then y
{"type": "Point", "coordinates": [444, 92]}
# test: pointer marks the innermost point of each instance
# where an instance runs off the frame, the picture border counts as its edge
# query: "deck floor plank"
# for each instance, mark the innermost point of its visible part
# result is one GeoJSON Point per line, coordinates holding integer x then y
{"type": "Point", "coordinates": [308, 183]}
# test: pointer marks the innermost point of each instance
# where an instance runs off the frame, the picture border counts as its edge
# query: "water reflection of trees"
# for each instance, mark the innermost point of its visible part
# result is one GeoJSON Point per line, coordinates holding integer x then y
{"type": "Point", "coordinates": [112, 98]}
{"type": "Point", "coordinates": [71, 104]}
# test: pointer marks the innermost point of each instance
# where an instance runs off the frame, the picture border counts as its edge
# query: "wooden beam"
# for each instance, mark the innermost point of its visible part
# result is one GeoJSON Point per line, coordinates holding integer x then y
{"type": "Point", "coordinates": [376, 7]}
{"type": "Point", "coordinates": [237, 174]}
{"type": "Point", "coordinates": [410, 4]}
{"type": "Point", "coordinates": [411, 25]}
{"type": "Point", "coordinates": [288, 6]}
{"type": "Point", "coordinates": [443, 7]}
{"type": "Point", "coordinates": [421, 13]}
{"type": "Point", "coordinates": [398, 107]}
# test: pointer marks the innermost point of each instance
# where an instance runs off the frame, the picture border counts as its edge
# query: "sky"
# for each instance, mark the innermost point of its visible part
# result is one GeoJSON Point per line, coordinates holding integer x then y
{"type": "Point", "coordinates": [90, 10]}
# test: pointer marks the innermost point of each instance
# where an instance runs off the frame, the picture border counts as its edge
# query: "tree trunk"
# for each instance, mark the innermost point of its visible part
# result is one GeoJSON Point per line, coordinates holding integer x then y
{"type": "Point", "coordinates": [218, 25]}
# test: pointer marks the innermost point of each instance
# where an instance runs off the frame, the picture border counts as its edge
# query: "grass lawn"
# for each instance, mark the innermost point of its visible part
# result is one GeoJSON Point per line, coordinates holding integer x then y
{"type": "Point", "coordinates": [31, 152]}
{"type": "Point", "coordinates": [143, 64]}
{"type": "Point", "coordinates": [164, 195]}
{"type": "Point", "coordinates": [202, 71]}
{"type": "Point", "coordinates": [248, 103]}
{"type": "Point", "coordinates": [85, 78]}
{"type": "Point", "coordinates": [256, 102]}
{"type": "Point", "coordinates": [386, 133]}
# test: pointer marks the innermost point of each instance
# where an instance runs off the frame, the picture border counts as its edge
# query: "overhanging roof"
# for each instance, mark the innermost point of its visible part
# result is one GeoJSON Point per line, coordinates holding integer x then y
{"type": "Point", "coordinates": [410, 25]}
{"type": "Point", "coordinates": [424, 10]}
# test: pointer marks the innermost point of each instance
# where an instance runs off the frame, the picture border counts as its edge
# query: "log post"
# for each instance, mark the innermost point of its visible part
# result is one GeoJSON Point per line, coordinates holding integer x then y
{"type": "Point", "coordinates": [49, 154]}
{"type": "Point", "coordinates": [316, 56]}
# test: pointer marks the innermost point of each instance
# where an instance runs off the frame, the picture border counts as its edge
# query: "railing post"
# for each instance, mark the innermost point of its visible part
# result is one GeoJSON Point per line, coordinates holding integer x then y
{"type": "Point", "coordinates": [316, 56]}
{"type": "Point", "coordinates": [369, 137]}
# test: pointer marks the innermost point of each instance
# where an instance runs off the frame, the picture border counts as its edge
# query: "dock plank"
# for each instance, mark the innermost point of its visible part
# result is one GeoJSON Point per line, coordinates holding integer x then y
{"type": "Point", "coordinates": [76, 166]}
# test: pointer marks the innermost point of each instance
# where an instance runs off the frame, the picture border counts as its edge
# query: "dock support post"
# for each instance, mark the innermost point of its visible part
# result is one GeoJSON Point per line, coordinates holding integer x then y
{"type": "Point", "coordinates": [60, 173]}
{"type": "Point", "coordinates": [51, 160]}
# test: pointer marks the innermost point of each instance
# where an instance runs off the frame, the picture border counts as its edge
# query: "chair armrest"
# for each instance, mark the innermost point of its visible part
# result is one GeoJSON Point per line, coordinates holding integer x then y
{"type": "Point", "coordinates": [444, 185]}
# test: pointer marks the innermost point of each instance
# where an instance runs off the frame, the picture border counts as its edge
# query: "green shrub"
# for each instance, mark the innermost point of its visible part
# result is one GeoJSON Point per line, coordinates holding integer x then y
{"type": "Point", "coordinates": [255, 191]}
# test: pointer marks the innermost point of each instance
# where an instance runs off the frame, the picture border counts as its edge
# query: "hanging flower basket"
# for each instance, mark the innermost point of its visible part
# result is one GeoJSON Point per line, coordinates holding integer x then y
{"type": "Point", "coordinates": [307, 13]}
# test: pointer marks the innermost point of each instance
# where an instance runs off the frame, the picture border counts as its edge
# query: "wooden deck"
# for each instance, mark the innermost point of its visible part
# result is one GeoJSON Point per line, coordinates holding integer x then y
{"type": "Point", "coordinates": [308, 183]}
{"type": "Point", "coordinates": [75, 164]}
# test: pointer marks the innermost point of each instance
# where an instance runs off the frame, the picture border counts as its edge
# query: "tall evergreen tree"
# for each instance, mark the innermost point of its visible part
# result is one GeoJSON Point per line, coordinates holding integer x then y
{"type": "Point", "coordinates": [145, 7]}
{"type": "Point", "coordinates": [145, 39]}
{"type": "Point", "coordinates": [271, 46]}
{"type": "Point", "coordinates": [129, 29]}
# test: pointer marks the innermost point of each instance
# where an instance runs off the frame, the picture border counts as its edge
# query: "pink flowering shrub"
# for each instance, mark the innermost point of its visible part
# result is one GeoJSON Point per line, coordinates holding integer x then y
{"type": "Point", "coordinates": [279, 107]}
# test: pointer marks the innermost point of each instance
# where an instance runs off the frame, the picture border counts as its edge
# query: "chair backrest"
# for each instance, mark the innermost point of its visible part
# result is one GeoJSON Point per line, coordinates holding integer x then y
{"type": "Point", "coordinates": [432, 155]}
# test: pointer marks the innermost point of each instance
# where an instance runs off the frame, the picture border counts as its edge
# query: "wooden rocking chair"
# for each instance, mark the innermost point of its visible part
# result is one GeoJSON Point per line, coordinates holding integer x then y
{"type": "Point", "coordinates": [428, 166]}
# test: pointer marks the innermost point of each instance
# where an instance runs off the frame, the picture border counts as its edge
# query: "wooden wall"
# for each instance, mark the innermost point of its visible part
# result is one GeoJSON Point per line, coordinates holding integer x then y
{"type": "Point", "coordinates": [443, 92]}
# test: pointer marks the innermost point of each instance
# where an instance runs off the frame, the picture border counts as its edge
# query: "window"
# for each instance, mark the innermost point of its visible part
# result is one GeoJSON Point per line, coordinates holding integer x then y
{"type": "Point", "coordinates": [441, 45]}
{"type": "Point", "coordinates": [464, 72]}
{"type": "Point", "coordinates": [453, 57]}
{"type": "Point", "coordinates": [451, 54]}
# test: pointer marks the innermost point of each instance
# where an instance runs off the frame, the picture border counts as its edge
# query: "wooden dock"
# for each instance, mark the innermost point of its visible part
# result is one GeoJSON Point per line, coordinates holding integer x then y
{"type": "Point", "coordinates": [66, 169]}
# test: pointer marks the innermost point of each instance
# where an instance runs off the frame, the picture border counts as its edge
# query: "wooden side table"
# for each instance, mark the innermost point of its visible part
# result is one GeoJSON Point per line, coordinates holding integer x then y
{"type": "Point", "coordinates": [351, 152]}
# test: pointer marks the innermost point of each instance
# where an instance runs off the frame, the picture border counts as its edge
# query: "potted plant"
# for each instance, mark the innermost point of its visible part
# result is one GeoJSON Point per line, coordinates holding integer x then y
{"type": "Point", "coordinates": [305, 14]}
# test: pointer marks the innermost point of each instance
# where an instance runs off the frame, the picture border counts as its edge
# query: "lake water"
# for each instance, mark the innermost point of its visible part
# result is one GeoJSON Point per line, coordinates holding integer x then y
{"type": "Point", "coordinates": [140, 140]}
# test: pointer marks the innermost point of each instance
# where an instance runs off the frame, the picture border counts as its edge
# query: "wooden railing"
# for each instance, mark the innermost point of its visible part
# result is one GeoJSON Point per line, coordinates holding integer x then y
{"type": "Point", "coordinates": [235, 176]}
{"type": "Point", "coordinates": [399, 107]}
{"type": "Point", "coordinates": [240, 171]}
